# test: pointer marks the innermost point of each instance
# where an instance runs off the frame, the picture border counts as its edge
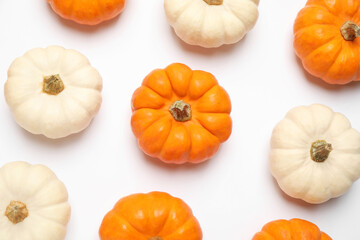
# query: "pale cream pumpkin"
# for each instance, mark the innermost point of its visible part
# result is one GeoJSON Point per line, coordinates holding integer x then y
{"type": "Point", "coordinates": [53, 91]}
{"type": "Point", "coordinates": [315, 153]}
{"type": "Point", "coordinates": [33, 203]}
{"type": "Point", "coordinates": [211, 23]}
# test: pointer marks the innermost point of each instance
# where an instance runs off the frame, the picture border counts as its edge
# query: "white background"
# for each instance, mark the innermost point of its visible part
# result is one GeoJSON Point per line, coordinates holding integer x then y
{"type": "Point", "coordinates": [233, 195]}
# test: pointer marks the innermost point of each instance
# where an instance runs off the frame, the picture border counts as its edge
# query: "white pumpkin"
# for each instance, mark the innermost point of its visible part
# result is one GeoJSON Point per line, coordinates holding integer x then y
{"type": "Point", "coordinates": [53, 91]}
{"type": "Point", "coordinates": [33, 203]}
{"type": "Point", "coordinates": [211, 23]}
{"type": "Point", "coordinates": [315, 154]}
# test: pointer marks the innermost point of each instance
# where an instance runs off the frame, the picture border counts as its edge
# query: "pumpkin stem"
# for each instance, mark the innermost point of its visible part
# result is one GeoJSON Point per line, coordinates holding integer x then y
{"type": "Point", "coordinates": [350, 31]}
{"type": "Point", "coordinates": [320, 150]}
{"type": "Point", "coordinates": [155, 238]}
{"type": "Point", "coordinates": [16, 212]}
{"type": "Point", "coordinates": [181, 111]}
{"type": "Point", "coordinates": [53, 84]}
{"type": "Point", "coordinates": [214, 2]}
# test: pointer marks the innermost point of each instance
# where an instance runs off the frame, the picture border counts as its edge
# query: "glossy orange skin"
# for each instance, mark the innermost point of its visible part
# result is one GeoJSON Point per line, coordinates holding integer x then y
{"type": "Point", "coordinates": [160, 135]}
{"type": "Point", "coordinates": [88, 12]}
{"type": "Point", "coordinates": [147, 216]}
{"type": "Point", "coordinates": [320, 45]}
{"type": "Point", "coordinates": [294, 229]}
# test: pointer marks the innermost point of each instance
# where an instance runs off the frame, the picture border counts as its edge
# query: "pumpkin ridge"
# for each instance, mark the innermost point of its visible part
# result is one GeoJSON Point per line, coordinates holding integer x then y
{"type": "Point", "coordinates": [128, 224]}
{"type": "Point", "coordinates": [152, 122]}
{"type": "Point", "coordinates": [24, 98]}
{"type": "Point", "coordinates": [183, 10]}
{"type": "Point", "coordinates": [165, 99]}
{"type": "Point", "coordinates": [323, 5]}
{"type": "Point", "coordinates": [189, 217]}
{"type": "Point", "coordinates": [101, 9]}
{"type": "Point", "coordinates": [167, 138]}
{"type": "Point", "coordinates": [138, 231]}
{"type": "Point", "coordinates": [329, 124]}
{"type": "Point", "coordinates": [58, 202]}
{"type": "Point", "coordinates": [316, 49]}
{"type": "Point", "coordinates": [334, 26]}
{"type": "Point", "coordinates": [330, 166]}
{"type": "Point", "coordinates": [345, 130]}
{"type": "Point", "coordinates": [326, 73]}
{"type": "Point", "coordinates": [69, 74]}
{"type": "Point", "coordinates": [20, 104]}
{"type": "Point", "coordinates": [70, 9]}
{"type": "Point", "coordinates": [151, 88]}
{"type": "Point", "coordinates": [202, 125]}
{"type": "Point", "coordinates": [196, 99]}
{"type": "Point", "coordinates": [164, 104]}
{"type": "Point", "coordinates": [166, 221]}
{"type": "Point", "coordinates": [165, 116]}
{"type": "Point", "coordinates": [79, 104]}
{"type": "Point", "coordinates": [325, 8]}
{"type": "Point", "coordinates": [171, 85]}
{"type": "Point", "coordinates": [36, 192]}
{"type": "Point", "coordinates": [298, 127]}
{"type": "Point", "coordinates": [5, 180]}
{"type": "Point", "coordinates": [292, 168]}
{"type": "Point", "coordinates": [95, 88]}
{"type": "Point", "coordinates": [293, 225]}
{"type": "Point", "coordinates": [347, 151]}
{"type": "Point", "coordinates": [173, 89]}
{"type": "Point", "coordinates": [265, 234]}
{"type": "Point", "coordinates": [36, 208]}
{"type": "Point", "coordinates": [29, 60]}
{"type": "Point", "coordinates": [305, 188]}
{"type": "Point", "coordinates": [310, 56]}
{"type": "Point", "coordinates": [40, 120]}
{"type": "Point", "coordinates": [33, 213]}
{"type": "Point", "coordinates": [190, 142]}
{"type": "Point", "coordinates": [230, 9]}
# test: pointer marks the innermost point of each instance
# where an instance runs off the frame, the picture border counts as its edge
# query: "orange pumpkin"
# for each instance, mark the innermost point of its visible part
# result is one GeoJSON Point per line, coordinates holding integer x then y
{"type": "Point", "coordinates": [152, 216]}
{"type": "Point", "coordinates": [88, 12]}
{"type": "Point", "coordinates": [327, 39]}
{"type": "Point", "coordinates": [294, 229]}
{"type": "Point", "coordinates": [180, 115]}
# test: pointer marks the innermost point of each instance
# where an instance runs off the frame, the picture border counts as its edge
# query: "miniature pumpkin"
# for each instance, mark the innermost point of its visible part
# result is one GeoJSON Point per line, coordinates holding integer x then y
{"type": "Point", "coordinates": [326, 39]}
{"type": "Point", "coordinates": [211, 23]}
{"type": "Point", "coordinates": [53, 91]}
{"type": "Point", "coordinates": [180, 115]}
{"type": "Point", "coordinates": [88, 12]}
{"type": "Point", "coordinates": [33, 203]}
{"type": "Point", "coordinates": [152, 216]}
{"type": "Point", "coordinates": [290, 230]}
{"type": "Point", "coordinates": [315, 154]}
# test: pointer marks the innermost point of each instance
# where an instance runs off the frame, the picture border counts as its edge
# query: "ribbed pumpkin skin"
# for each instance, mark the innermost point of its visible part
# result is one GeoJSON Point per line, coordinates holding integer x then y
{"type": "Point", "coordinates": [88, 12]}
{"type": "Point", "coordinates": [152, 216]}
{"type": "Point", "coordinates": [320, 45]}
{"type": "Point", "coordinates": [294, 229]}
{"type": "Point", "coordinates": [160, 135]}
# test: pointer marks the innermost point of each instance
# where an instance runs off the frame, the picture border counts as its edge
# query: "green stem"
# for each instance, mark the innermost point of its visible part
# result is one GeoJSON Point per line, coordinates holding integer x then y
{"type": "Point", "coordinates": [350, 31]}
{"type": "Point", "coordinates": [16, 212]}
{"type": "Point", "coordinates": [181, 111]}
{"type": "Point", "coordinates": [320, 150]}
{"type": "Point", "coordinates": [53, 85]}
{"type": "Point", "coordinates": [214, 2]}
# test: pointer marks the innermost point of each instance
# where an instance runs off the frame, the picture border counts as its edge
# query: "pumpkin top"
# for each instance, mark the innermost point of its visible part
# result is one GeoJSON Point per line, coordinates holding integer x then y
{"type": "Point", "coordinates": [327, 40]}
{"type": "Point", "coordinates": [151, 216]}
{"type": "Point", "coordinates": [181, 115]}
{"type": "Point", "coordinates": [290, 229]}
{"type": "Point", "coordinates": [315, 153]}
